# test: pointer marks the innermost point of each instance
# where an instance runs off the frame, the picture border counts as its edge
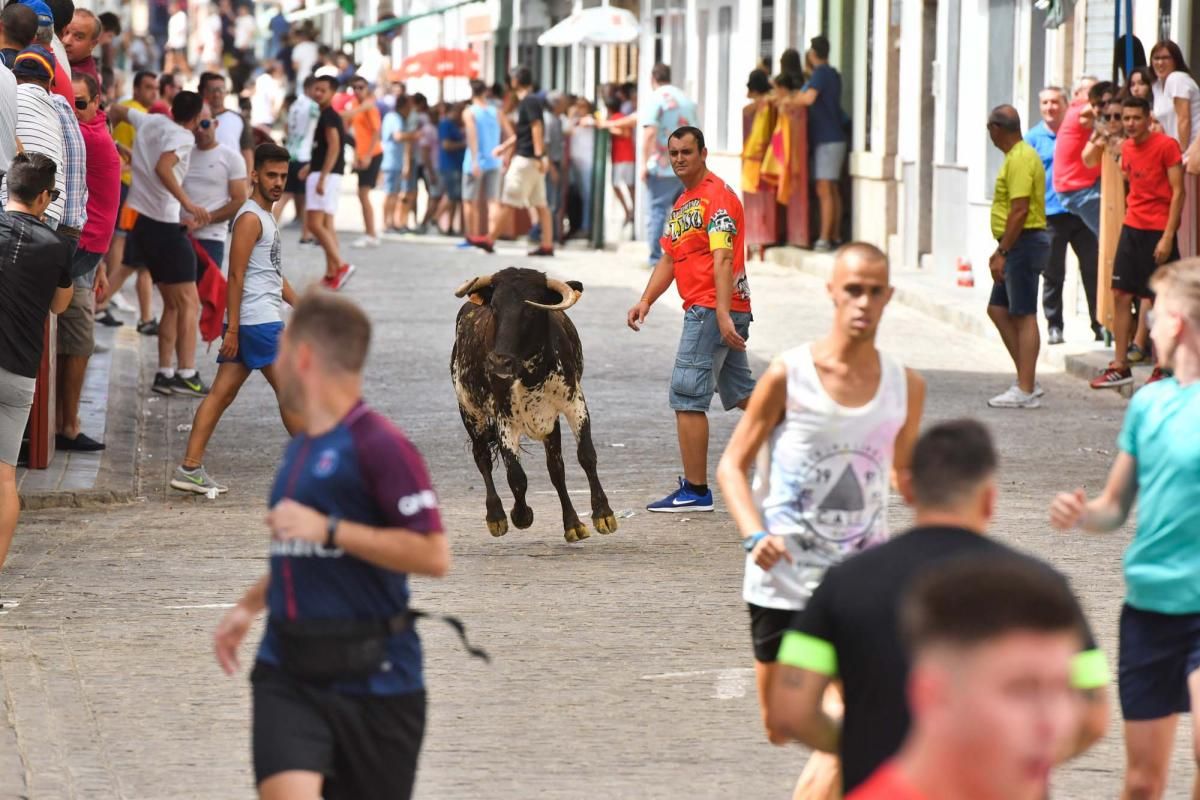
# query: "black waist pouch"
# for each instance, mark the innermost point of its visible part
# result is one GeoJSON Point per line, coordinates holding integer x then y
{"type": "Point", "coordinates": [328, 650]}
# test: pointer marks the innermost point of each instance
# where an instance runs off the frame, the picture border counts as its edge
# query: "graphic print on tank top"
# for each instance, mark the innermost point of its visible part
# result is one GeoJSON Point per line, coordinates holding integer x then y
{"type": "Point", "coordinates": [277, 253]}
{"type": "Point", "coordinates": [822, 479]}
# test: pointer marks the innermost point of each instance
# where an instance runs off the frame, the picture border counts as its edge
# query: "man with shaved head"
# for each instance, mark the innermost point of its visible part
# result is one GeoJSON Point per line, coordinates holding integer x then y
{"type": "Point", "coordinates": [79, 39]}
{"type": "Point", "coordinates": [1021, 254]}
{"type": "Point", "coordinates": [838, 420]}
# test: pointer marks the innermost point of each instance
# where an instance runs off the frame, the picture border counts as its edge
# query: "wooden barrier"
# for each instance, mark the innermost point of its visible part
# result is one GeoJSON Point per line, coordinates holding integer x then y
{"type": "Point", "coordinates": [41, 428]}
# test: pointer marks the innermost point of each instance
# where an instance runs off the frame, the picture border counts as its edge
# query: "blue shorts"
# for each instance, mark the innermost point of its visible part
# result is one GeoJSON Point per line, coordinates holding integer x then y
{"type": "Point", "coordinates": [393, 181]}
{"type": "Point", "coordinates": [1026, 261]}
{"type": "Point", "coordinates": [258, 345]}
{"type": "Point", "coordinates": [1085, 204]}
{"type": "Point", "coordinates": [704, 363]}
{"type": "Point", "coordinates": [1157, 654]}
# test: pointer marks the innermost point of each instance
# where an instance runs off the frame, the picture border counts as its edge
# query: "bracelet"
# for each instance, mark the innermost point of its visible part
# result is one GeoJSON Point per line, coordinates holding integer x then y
{"type": "Point", "coordinates": [751, 541]}
{"type": "Point", "coordinates": [331, 525]}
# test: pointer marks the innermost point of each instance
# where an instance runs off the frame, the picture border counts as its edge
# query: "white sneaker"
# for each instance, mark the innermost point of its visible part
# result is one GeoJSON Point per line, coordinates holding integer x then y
{"type": "Point", "coordinates": [1013, 397]}
{"type": "Point", "coordinates": [366, 241]}
{"type": "Point", "coordinates": [1038, 391]}
{"type": "Point", "coordinates": [119, 302]}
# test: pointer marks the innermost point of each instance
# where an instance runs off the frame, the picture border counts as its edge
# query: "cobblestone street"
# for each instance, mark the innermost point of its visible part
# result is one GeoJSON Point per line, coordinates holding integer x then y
{"type": "Point", "coordinates": [621, 666]}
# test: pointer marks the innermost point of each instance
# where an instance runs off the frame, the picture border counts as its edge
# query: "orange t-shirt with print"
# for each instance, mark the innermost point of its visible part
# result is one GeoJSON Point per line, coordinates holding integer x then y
{"type": "Point", "coordinates": [707, 218]}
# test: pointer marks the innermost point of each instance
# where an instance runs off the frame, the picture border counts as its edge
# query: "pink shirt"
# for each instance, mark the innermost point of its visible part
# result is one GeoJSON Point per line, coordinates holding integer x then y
{"type": "Point", "coordinates": [103, 183]}
{"type": "Point", "coordinates": [1070, 173]}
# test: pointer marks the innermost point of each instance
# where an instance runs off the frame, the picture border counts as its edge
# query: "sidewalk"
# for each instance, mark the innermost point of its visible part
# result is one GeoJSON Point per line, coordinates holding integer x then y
{"type": "Point", "coordinates": [965, 308]}
{"type": "Point", "coordinates": [109, 412]}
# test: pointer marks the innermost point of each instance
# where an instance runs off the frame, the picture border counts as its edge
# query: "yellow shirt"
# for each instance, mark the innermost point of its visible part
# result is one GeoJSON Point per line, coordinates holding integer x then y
{"type": "Point", "coordinates": [123, 134]}
{"type": "Point", "coordinates": [1021, 175]}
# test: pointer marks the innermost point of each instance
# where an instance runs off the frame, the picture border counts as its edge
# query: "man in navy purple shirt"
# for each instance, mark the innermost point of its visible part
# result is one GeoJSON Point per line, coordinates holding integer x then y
{"type": "Point", "coordinates": [339, 698]}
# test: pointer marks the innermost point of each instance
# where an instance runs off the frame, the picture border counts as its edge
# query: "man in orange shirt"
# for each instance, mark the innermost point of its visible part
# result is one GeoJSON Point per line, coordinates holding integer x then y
{"type": "Point", "coordinates": [990, 692]}
{"type": "Point", "coordinates": [365, 123]}
{"type": "Point", "coordinates": [704, 254]}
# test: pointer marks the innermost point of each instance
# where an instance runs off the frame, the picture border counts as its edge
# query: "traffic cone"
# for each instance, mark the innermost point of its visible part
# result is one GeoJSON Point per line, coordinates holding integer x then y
{"type": "Point", "coordinates": [966, 278]}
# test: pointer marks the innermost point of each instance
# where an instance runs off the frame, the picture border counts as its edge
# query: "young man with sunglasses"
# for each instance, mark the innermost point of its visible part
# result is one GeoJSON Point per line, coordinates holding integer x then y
{"type": "Point", "coordinates": [366, 123]}
{"type": "Point", "coordinates": [161, 154]}
{"type": "Point", "coordinates": [36, 279]}
{"type": "Point", "coordinates": [76, 325]}
{"type": "Point", "coordinates": [216, 179]}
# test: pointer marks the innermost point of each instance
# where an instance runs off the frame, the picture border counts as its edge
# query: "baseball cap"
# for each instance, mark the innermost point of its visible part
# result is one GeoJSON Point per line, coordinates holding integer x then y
{"type": "Point", "coordinates": [42, 10]}
{"type": "Point", "coordinates": [34, 62]}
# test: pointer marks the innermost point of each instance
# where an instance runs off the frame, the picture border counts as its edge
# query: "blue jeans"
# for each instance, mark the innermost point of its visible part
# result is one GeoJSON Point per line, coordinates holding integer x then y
{"type": "Point", "coordinates": [1085, 204]}
{"type": "Point", "coordinates": [704, 364]}
{"type": "Point", "coordinates": [662, 193]}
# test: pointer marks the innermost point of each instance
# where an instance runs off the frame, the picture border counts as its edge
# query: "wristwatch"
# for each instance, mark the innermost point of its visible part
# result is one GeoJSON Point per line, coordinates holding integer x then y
{"type": "Point", "coordinates": [1001, 251]}
{"type": "Point", "coordinates": [331, 526]}
{"type": "Point", "coordinates": [751, 541]}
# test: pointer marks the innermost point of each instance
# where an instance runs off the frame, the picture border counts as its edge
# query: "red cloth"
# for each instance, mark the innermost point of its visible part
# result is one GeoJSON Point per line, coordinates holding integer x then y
{"type": "Point", "coordinates": [886, 784]}
{"type": "Point", "coordinates": [103, 183]}
{"type": "Point", "coordinates": [159, 107]}
{"type": "Point", "coordinates": [704, 219]}
{"type": "Point", "coordinates": [623, 147]}
{"type": "Point", "coordinates": [212, 288]}
{"type": "Point", "coordinates": [1148, 204]}
{"type": "Point", "coordinates": [88, 65]}
{"type": "Point", "coordinates": [62, 84]}
{"type": "Point", "coordinates": [1070, 174]}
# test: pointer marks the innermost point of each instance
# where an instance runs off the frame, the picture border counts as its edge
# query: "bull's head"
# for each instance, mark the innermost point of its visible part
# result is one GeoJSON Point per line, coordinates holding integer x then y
{"type": "Point", "coordinates": [520, 301]}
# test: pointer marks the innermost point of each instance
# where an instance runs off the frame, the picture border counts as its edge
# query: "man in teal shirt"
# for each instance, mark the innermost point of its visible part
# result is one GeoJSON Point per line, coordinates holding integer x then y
{"type": "Point", "coordinates": [667, 109]}
{"type": "Point", "coordinates": [1159, 460]}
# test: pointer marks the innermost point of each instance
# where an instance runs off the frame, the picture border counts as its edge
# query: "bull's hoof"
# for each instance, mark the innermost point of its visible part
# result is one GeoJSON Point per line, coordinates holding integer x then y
{"type": "Point", "coordinates": [497, 527]}
{"type": "Point", "coordinates": [605, 524]}
{"type": "Point", "coordinates": [577, 532]}
{"type": "Point", "coordinates": [522, 518]}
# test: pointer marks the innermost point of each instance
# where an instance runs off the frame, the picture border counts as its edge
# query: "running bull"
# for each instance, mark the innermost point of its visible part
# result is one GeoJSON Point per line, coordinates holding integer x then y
{"type": "Point", "coordinates": [516, 366]}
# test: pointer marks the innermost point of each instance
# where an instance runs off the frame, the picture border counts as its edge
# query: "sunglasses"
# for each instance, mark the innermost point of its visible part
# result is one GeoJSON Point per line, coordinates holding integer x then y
{"type": "Point", "coordinates": [1110, 117]}
{"type": "Point", "coordinates": [206, 123]}
{"type": "Point", "coordinates": [54, 194]}
{"type": "Point", "coordinates": [82, 104]}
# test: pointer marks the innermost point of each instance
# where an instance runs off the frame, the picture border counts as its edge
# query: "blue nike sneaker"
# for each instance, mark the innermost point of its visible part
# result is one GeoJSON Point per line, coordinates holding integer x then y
{"type": "Point", "coordinates": [683, 499]}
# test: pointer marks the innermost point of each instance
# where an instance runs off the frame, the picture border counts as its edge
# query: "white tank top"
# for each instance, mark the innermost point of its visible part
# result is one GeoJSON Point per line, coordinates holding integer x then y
{"type": "Point", "coordinates": [262, 292]}
{"type": "Point", "coordinates": [822, 479]}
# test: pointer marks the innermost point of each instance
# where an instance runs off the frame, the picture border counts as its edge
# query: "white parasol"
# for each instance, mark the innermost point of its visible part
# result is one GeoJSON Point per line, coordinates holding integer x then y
{"type": "Point", "coordinates": [593, 26]}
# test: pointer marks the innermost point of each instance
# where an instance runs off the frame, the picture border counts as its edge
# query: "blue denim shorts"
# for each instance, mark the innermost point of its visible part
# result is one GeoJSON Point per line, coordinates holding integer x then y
{"type": "Point", "coordinates": [704, 364]}
{"type": "Point", "coordinates": [393, 181]}
{"type": "Point", "coordinates": [258, 345]}
{"type": "Point", "coordinates": [1085, 204]}
{"type": "Point", "coordinates": [1026, 261]}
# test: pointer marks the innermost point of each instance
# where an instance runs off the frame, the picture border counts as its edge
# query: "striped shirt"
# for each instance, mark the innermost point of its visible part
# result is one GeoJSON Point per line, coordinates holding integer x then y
{"type": "Point", "coordinates": [75, 156]}
{"type": "Point", "coordinates": [40, 131]}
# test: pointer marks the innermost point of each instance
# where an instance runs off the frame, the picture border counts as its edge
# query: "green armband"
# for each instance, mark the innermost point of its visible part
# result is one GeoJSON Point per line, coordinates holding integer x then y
{"type": "Point", "coordinates": [808, 652]}
{"type": "Point", "coordinates": [1089, 670]}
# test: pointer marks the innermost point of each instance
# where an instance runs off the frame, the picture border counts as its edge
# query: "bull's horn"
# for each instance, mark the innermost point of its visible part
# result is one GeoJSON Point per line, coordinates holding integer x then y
{"type": "Point", "coordinates": [473, 285]}
{"type": "Point", "coordinates": [569, 296]}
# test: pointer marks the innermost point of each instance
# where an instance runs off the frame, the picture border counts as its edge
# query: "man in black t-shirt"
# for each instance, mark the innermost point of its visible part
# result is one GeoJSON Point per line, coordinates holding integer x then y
{"type": "Point", "coordinates": [525, 181]}
{"type": "Point", "coordinates": [35, 278]}
{"type": "Point", "coordinates": [323, 185]}
{"type": "Point", "coordinates": [850, 629]}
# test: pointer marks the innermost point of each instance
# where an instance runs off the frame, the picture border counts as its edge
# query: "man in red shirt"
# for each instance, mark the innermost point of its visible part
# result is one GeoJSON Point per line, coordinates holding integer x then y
{"type": "Point", "coordinates": [1153, 167]}
{"type": "Point", "coordinates": [992, 643]}
{"type": "Point", "coordinates": [704, 254]}
{"type": "Point", "coordinates": [1077, 184]}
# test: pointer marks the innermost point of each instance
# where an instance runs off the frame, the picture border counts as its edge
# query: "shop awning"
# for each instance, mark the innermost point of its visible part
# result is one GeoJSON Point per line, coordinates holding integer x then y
{"type": "Point", "coordinates": [385, 25]}
{"type": "Point", "coordinates": [596, 26]}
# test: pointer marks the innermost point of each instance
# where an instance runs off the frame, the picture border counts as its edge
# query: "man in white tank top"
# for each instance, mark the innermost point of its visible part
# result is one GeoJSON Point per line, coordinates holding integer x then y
{"type": "Point", "coordinates": [827, 427]}
{"type": "Point", "coordinates": [256, 290]}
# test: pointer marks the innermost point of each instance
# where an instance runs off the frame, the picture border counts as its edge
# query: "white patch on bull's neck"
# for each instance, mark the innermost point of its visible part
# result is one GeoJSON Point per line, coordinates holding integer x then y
{"type": "Point", "coordinates": [535, 410]}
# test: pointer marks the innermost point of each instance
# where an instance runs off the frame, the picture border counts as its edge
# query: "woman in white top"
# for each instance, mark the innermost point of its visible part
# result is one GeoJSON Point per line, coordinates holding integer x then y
{"type": "Point", "coordinates": [1176, 95]}
{"type": "Point", "coordinates": [827, 427]}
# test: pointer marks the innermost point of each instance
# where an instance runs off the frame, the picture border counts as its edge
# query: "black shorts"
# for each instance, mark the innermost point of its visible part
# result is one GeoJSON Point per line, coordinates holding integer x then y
{"type": "Point", "coordinates": [163, 248]}
{"type": "Point", "coordinates": [294, 184]}
{"type": "Point", "coordinates": [1134, 261]}
{"type": "Point", "coordinates": [370, 176]}
{"type": "Point", "coordinates": [366, 746]}
{"type": "Point", "coordinates": [767, 626]}
{"type": "Point", "coordinates": [1157, 654]}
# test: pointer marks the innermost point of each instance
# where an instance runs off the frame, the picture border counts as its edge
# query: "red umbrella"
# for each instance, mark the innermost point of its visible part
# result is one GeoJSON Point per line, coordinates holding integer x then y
{"type": "Point", "coordinates": [441, 63]}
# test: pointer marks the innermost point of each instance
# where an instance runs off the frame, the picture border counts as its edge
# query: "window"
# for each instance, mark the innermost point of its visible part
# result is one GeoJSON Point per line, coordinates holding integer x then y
{"type": "Point", "coordinates": [766, 38]}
